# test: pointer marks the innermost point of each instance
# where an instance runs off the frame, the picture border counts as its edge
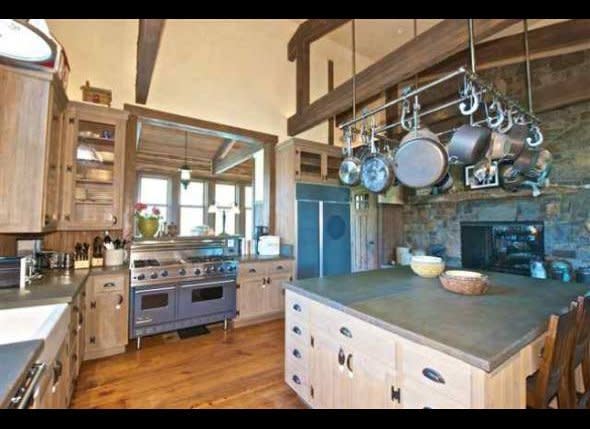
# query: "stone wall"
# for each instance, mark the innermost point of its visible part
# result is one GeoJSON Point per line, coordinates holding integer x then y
{"type": "Point", "coordinates": [567, 136]}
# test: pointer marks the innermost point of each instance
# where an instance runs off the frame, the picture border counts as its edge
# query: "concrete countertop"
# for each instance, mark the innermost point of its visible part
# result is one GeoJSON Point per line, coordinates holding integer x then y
{"type": "Point", "coordinates": [56, 286]}
{"type": "Point", "coordinates": [15, 361]}
{"type": "Point", "coordinates": [261, 258]}
{"type": "Point", "coordinates": [483, 331]}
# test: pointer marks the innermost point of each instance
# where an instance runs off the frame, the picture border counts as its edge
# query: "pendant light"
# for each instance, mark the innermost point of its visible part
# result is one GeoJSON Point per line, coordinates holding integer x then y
{"type": "Point", "coordinates": [185, 171]}
{"type": "Point", "coordinates": [28, 41]}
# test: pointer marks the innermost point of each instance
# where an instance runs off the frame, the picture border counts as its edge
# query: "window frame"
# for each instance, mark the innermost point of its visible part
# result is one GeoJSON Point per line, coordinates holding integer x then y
{"type": "Point", "coordinates": [203, 207]}
{"type": "Point", "coordinates": [170, 186]}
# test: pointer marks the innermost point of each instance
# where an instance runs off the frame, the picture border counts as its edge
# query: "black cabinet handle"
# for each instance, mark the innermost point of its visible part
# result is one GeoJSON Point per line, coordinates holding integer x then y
{"type": "Point", "coordinates": [268, 280]}
{"type": "Point", "coordinates": [109, 284]}
{"type": "Point", "coordinates": [297, 307]}
{"type": "Point", "coordinates": [296, 330]}
{"type": "Point", "coordinates": [252, 270]}
{"type": "Point", "coordinates": [296, 379]}
{"type": "Point", "coordinates": [346, 332]}
{"type": "Point", "coordinates": [396, 394]}
{"type": "Point", "coordinates": [115, 220]}
{"type": "Point", "coordinates": [341, 357]}
{"type": "Point", "coordinates": [297, 353]}
{"type": "Point", "coordinates": [279, 267]}
{"type": "Point", "coordinates": [349, 363]}
{"type": "Point", "coordinates": [433, 375]}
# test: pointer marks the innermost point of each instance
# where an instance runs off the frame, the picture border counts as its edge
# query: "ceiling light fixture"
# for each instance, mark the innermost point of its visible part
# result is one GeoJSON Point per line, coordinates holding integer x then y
{"type": "Point", "coordinates": [23, 40]}
{"type": "Point", "coordinates": [185, 171]}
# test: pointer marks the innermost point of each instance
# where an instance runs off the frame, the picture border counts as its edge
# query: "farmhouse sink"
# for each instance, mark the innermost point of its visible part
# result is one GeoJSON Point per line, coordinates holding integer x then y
{"type": "Point", "coordinates": [42, 322]}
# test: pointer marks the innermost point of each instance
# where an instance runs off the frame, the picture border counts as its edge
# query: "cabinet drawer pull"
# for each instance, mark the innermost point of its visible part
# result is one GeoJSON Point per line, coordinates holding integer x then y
{"type": "Point", "coordinates": [296, 330]}
{"type": "Point", "coordinates": [280, 267]}
{"type": "Point", "coordinates": [297, 353]}
{"type": "Point", "coordinates": [92, 340]}
{"type": "Point", "coordinates": [433, 375]}
{"type": "Point", "coordinates": [115, 220]}
{"type": "Point", "coordinates": [349, 364]}
{"type": "Point", "coordinates": [396, 394]}
{"type": "Point", "coordinates": [296, 379]}
{"type": "Point", "coordinates": [346, 332]}
{"type": "Point", "coordinates": [92, 304]}
{"type": "Point", "coordinates": [297, 307]}
{"type": "Point", "coordinates": [252, 270]}
{"type": "Point", "coordinates": [109, 284]}
{"type": "Point", "coordinates": [120, 302]}
{"type": "Point", "coordinates": [341, 358]}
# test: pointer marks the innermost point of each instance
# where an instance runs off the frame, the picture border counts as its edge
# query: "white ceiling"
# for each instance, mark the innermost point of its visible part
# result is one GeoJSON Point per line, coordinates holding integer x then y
{"type": "Point", "coordinates": [377, 37]}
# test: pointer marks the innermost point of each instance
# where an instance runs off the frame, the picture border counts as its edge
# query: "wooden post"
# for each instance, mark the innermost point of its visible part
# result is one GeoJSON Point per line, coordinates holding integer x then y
{"type": "Point", "coordinates": [331, 121]}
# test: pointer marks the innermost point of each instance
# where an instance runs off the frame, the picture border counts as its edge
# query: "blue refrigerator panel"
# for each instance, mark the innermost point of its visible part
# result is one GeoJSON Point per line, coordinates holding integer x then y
{"type": "Point", "coordinates": [308, 246]}
{"type": "Point", "coordinates": [336, 238]}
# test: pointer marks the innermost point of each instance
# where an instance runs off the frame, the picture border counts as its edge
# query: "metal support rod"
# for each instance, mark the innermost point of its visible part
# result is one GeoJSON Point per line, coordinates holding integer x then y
{"type": "Point", "coordinates": [471, 44]}
{"type": "Point", "coordinates": [353, 71]}
{"type": "Point", "coordinates": [527, 63]}
{"type": "Point", "coordinates": [371, 112]}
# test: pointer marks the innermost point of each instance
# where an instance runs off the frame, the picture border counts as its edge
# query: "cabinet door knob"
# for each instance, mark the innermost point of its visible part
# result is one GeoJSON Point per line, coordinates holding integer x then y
{"type": "Point", "coordinates": [297, 307]}
{"type": "Point", "coordinates": [296, 330]}
{"type": "Point", "coordinates": [346, 332]}
{"type": "Point", "coordinates": [92, 304]}
{"type": "Point", "coordinates": [341, 358]}
{"type": "Point", "coordinates": [268, 280]}
{"type": "Point", "coordinates": [433, 375]}
{"type": "Point", "coordinates": [349, 364]}
{"type": "Point", "coordinates": [120, 302]}
{"type": "Point", "coordinates": [296, 379]}
{"type": "Point", "coordinates": [93, 340]}
{"type": "Point", "coordinates": [297, 353]}
{"type": "Point", "coordinates": [115, 220]}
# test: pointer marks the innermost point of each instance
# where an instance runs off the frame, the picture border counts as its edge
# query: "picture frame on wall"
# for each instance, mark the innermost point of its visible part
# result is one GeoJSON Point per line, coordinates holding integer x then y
{"type": "Point", "coordinates": [482, 176]}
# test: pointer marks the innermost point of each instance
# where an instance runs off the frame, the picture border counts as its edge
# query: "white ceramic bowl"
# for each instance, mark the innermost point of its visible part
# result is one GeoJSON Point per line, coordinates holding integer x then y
{"type": "Point", "coordinates": [427, 266]}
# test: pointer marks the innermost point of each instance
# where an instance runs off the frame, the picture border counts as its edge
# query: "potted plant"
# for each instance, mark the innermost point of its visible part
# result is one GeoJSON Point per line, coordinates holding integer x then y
{"type": "Point", "coordinates": [148, 221]}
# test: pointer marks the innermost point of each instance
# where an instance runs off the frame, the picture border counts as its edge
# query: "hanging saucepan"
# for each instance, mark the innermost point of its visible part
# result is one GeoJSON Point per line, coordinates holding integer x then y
{"type": "Point", "coordinates": [499, 146]}
{"type": "Point", "coordinates": [350, 167]}
{"type": "Point", "coordinates": [510, 178]}
{"type": "Point", "coordinates": [445, 184]}
{"type": "Point", "coordinates": [516, 141]}
{"type": "Point", "coordinates": [526, 160]}
{"type": "Point", "coordinates": [542, 167]}
{"type": "Point", "coordinates": [376, 170]}
{"type": "Point", "coordinates": [421, 159]}
{"type": "Point", "coordinates": [469, 144]}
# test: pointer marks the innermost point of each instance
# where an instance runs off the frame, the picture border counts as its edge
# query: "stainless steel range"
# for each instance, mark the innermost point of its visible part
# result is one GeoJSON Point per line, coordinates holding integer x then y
{"type": "Point", "coordinates": [182, 283]}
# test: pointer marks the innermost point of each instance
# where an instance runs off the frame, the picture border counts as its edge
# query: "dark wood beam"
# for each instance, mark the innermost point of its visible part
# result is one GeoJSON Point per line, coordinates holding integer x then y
{"type": "Point", "coordinates": [148, 43]}
{"type": "Point", "coordinates": [557, 39]}
{"type": "Point", "coordinates": [237, 157]}
{"type": "Point", "coordinates": [302, 78]}
{"type": "Point", "coordinates": [198, 125]}
{"type": "Point", "coordinates": [309, 31]}
{"type": "Point", "coordinates": [430, 47]}
{"type": "Point", "coordinates": [331, 121]}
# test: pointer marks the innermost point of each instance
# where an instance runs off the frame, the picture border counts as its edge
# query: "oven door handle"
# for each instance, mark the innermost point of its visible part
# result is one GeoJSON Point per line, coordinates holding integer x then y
{"type": "Point", "coordinates": [160, 289]}
{"type": "Point", "coordinates": [207, 284]}
{"type": "Point", "coordinates": [22, 402]}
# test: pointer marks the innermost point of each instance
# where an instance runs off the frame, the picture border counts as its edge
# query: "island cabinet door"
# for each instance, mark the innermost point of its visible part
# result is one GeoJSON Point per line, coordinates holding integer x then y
{"type": "Point", "coordinates": [374, 384]}
{"type": "Point", "coordinates": [331, 381]}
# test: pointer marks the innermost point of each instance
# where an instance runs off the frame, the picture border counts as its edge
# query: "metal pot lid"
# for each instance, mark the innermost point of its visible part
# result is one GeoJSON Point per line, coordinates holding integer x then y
{"type": "Point", "coordinates": [350, 171]}
{"type": "Point", "coordinates": [420, 163]}
{"type": "Point", "coordinates": [376, 173]}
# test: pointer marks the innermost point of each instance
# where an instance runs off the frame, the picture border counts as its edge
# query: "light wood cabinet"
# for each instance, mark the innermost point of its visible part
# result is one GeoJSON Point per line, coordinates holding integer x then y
{"type": "Point", "coordinates": [31, 129]}
{"type": "Point", "coordinates": [93, 167]}
{"type": "Point", "coordinates": [107, 315]}
{"type": "Point", "coordinates": [260, 293]}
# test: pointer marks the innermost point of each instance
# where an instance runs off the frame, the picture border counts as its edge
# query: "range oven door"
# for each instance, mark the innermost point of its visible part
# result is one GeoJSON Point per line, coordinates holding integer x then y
{"type": "Point", "coordinates": [154, 305]}
{"type": "Point", "coordinates": [204, 298]}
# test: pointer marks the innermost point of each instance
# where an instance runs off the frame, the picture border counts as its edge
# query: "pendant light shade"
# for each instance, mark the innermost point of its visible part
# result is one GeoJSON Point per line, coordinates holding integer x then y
{"type": "Point", "coordinates": [185, 171]}
{"type": "Point", "coordinates": [24, 40]}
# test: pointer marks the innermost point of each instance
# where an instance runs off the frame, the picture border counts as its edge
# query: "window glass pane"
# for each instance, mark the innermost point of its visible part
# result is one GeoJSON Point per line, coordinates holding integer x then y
{"type": "Point", "coordinates": [225, 195]}
{"type": "Point", "coordinates": [249, 227]}
{"type": "Point", "coordinates": [230, 223]}
{"type": "Point", "coordinates": [153, 190]}
{"type": "Point", "coordinates": [192, 195]}
{"type": "Point", "coordinates": [190, 218]}
{"type": "Point", "coordinates": [248, 196]}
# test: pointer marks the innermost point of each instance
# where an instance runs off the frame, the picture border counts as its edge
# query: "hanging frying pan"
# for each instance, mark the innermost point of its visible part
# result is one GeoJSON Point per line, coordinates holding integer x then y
{"type": "Point", "coordinates": [376, 170]}
{"type": "Point", "coordinates": [350, 167]}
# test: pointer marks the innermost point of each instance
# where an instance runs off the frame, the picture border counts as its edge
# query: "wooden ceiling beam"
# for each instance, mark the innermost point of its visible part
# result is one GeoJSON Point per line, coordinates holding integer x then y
{"type": "Point", "coordinates": [430, 47]}
{"type": "Point", "coordinates": [309, 31]}
{"type": "Point", "coordinates": [224, 149]}
{"type": "Point", "coordinates": [237, 157]}
{"type": "Point", "coordinates": [148, 44]}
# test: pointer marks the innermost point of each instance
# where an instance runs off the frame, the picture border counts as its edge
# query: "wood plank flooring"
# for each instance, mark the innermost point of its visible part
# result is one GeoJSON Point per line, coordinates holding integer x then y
{"type": "Point", "coordinates": [240, 368]}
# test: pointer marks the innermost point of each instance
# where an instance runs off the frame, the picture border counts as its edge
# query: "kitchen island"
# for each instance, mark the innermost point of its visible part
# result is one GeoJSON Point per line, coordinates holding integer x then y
{"type": "Point", "coordinates": [390, 339]}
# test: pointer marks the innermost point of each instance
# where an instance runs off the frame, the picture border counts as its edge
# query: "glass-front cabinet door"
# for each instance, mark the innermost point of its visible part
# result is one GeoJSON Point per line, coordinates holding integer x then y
{"type": "Point", "coordinates": [94, 167]}
{"type": "Point", "coordinates": [332, 168]}
{"type": "Point", "coordinates": [308, 165]}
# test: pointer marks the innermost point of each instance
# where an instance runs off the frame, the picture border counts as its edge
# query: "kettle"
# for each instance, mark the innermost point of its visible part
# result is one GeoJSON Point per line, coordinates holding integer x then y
{"type": "Point", "coordinates": [538, 269]}
{"type": "Point", "coordinates": [561, 270]}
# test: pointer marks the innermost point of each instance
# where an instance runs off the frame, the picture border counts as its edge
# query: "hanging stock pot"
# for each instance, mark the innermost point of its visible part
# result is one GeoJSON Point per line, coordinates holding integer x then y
{"type": "Point", "coordinates": [377, 171]}
{"type": "Point", "coordinates": [350, 167]}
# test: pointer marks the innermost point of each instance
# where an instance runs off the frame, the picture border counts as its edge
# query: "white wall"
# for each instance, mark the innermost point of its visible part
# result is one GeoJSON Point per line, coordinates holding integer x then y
{"type": "Point", "coordinates": [229, 71]}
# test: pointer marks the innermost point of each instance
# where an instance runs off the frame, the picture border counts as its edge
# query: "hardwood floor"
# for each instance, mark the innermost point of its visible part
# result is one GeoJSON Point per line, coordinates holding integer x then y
{"type": "Point", "coordinates": [240, 368]}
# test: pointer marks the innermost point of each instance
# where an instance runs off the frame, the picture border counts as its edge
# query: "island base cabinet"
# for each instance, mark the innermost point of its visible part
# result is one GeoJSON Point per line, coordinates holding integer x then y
{"type": "Point", "coordinates": [107, 316]}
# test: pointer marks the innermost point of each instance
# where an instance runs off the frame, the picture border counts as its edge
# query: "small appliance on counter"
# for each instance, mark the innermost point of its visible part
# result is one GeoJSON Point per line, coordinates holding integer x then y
{"type": "Point", "coordinates": [561, 269]}
{"type": "Point", "coordinates": [583, 275]}
{"type": "Point", "coordinates": [259, 231]}
{"type": "Point", "coordinates": [269, 245]}
{"type": "Point", "coordinates": [538, 270]}
{"type": "Point", "coordinates": [9, 272]}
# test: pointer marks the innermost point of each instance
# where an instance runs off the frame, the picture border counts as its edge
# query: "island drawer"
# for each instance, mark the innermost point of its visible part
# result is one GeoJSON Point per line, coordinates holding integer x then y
{"type": "Point", "coordinates": [252, 270]}
{"type": "Point", "coordinates": [349, 330]}
{"type": "Point", "coordinates": [108, 283]}
{"type": "Point", "coordinates": [297, 378]}
{"type": "Point", "coordinates": [437, 372]}
{"type": "Point", "coordinates": [297, 305]}
{"type": "Point", "coordinates": [297, 353]}
{"type": "Point", "coordinates": [280, 267]}
{"type": "Point", "coordinates": [416, 396]}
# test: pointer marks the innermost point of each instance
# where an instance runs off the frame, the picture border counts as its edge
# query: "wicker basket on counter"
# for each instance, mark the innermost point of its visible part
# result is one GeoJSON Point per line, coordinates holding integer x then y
{"type": "Point", "coordinates": [464, 282]}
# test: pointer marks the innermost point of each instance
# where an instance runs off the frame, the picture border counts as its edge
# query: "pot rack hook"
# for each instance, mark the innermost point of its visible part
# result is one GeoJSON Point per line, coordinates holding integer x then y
{"type": "Point", "coordinates": [496, 120]}
{"type": "Point", "coordinates": [509, 122]}
{"type": "Point", "coordinates": [537, 139]}
{"type": "Point", "coordinates": [470, 108]}
{"type": "Point", "coordinates": [405, 123]}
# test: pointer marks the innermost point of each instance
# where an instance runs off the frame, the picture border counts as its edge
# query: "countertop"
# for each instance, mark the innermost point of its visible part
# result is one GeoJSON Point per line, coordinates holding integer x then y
{"type": "Point", "coordinates": [15, 360]}
{"type": "Point", "coordinates": [483, 331]}
{"type": "Point", "coordinates": [56, 286]}
{"type": "Point", "coordinates": [261, 258]}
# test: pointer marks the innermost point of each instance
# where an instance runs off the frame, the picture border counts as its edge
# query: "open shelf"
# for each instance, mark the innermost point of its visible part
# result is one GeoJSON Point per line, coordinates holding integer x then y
{"type": "Point", "coordinates": [95, 181]}
{"type": "Point", "coordinates": [94, 203]}
{"type": "Point", "coordinates": [96, 140]}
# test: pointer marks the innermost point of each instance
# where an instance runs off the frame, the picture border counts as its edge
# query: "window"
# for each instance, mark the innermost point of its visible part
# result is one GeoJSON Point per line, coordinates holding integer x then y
{"type": "Point", "coordinates": [192, 207]}
{"type": "Point", "coordinates": [155, 191]}
{"type": "Point", "coordinates": [225, 198]}
{"type": "Point", "coordinates": [248, 202]}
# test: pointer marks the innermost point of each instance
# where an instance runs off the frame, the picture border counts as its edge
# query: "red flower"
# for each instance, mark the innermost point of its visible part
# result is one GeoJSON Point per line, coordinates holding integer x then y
{"type": "Point", "coordinates": [155, 211]}
{"type": "Point", "coordinates": [139, 207]}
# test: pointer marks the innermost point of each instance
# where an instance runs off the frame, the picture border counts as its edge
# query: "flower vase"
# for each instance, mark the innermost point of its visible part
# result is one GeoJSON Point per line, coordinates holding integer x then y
{"type": "Point", "coordinates": [148, 227]}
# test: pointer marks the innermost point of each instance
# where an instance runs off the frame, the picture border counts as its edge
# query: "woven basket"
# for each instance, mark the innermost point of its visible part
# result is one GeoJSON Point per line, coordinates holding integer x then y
{"type": "Point", "coordinates": [474, 284]}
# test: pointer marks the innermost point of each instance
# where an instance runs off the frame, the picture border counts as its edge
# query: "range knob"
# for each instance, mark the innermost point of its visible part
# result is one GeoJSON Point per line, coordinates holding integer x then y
{"type": "Point", "coordinates": [153, 275]}
{"type": "Point", "coordinates": [164, 273]}
{"type": "Point", "coordinates": [182, 271]}
{"type": "Point", "coordinates": [231, 268]}
{"type": "Point", "coordinates": [197, 271]}
{"type": "Point", "coordinates": [209, 269]}
{"type": "Point", "coordinates": [141, 276]}
{"type": "Point", "coordinates": [221, 269]}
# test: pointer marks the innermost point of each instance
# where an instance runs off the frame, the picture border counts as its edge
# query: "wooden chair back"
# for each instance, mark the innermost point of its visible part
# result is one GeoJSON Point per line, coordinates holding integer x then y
{"type": "Point", "coordinates": [582, 348]}
{"type": "Point", "coordinates": [556, 363]}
